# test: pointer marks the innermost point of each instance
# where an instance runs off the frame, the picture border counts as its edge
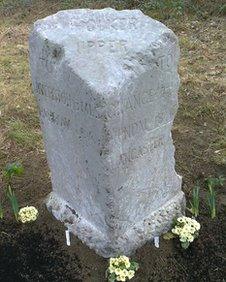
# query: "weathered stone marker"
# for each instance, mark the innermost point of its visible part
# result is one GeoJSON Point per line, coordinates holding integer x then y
{"type": "Point", "coordinates": [106, 83]}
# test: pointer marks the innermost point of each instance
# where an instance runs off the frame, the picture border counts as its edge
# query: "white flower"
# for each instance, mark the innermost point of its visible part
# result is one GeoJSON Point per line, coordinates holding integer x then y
{"type": "Point", "coordinates": [111, 269]}
{"type": "Point", "coordinates": [186, 230]}
{"type": "Point", "coordinates": [112, 260]}
{"type": "Point", "coordinates": [118, 271]}
{"type": "Point", "coordinates": [121, 277]}
{"type": "Point", "coordinates": [180, 219]}
{"type": "Point", "coordinates": [125, 272]}
{"type": "Point", "coordinates": [27, 214]}
{"type": "Point", "coordinates": [190, 238]}
{"type": "Point", "coordinates": [192, 230]}
{"type": "Point", "coordinates": [176, 230]}
{"type": "Point", "coordinates": [120, 267]}
{"type": "Point", "coordinates": [197, 226]}
{"type": "Point", "coordinates": [131, 273]}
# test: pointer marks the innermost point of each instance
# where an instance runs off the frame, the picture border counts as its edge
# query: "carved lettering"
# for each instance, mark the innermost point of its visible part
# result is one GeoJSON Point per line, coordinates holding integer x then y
{"type": "Point", "coordinates": [98, 45]}
{"type": "Point", "coordinates": [164, 61]}
{"type": "Point", "coordinates": [135, 153]}
{"type": "Point", "coordinates": [142, 125]}
{"type": "Point", "coordinates": [130, 103]}
{"type": "Point", "coordinates": [54, 118]}
{"type": "Point", "coordinates": [99, 22]}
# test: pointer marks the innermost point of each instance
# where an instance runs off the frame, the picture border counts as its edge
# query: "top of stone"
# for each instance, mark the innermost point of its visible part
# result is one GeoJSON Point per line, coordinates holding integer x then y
{"type": "Point", "coordinates": [114, 42]}
{"type": "Point", "coordinates": [105, 20]}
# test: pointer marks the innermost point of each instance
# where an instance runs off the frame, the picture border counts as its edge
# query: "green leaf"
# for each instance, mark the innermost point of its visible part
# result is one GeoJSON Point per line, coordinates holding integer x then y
{"type": "Point", "coordinates": [111, 277]}
{"type": "Point", "coordinates": [221, 180]}
{"type": "Point", "coordinates": [1, 211]}
{"type": "Point", "coordinates": [14, 203]}
{"type": "Point", "coordinates": [194, 209]}
{"type": "Point", "coordinates": [185, 245]}
{"type": "Point", "coordinates": [196, 234]}
{"type": "Point", "coordinates": [191, 208]}
{"type": "Point", "coordinates": [215, 182]}
{"type": "Point", "coordinates": [175, 221]}
{"type": "Point", "coordinates": [13, 169]}
{"type": "Point", "coordinates": [211, 197]}
{"type": "Point", "coordinates": [168, 236]}
{"type": "Point", "coordinates": [106, 273]}
{"type": "Point", "coordinates": [134, 266]}
{"type": "Point", "coordinates": [195, 192]}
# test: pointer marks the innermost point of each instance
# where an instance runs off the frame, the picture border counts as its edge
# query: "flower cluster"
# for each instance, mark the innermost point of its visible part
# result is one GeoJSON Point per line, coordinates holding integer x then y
{"type": "Point", "coordinates": [187, 230]}
{"type": "Point", "coordinates": [28, 214]}
{"type": "Point", "coordinates": [121, 269]}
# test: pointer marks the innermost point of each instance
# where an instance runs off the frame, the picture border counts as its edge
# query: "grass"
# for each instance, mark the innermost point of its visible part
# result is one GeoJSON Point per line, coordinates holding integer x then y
{"type": "Point", "coordinates": [219, 147]}
{"type": "Point", "coordinates": [22, 135]}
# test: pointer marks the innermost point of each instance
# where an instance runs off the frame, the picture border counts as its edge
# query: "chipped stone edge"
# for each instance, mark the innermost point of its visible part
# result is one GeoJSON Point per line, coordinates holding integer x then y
{"type": "Point", "coordinates": [156, 224]}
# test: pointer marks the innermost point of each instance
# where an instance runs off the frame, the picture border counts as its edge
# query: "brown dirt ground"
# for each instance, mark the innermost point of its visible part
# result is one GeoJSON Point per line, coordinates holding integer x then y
{"type": "Point", "coordinates": [37, 252]}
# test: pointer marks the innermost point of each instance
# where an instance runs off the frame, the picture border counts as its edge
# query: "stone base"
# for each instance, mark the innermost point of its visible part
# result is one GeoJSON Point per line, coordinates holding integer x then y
{"type": "Point", "coordinates": [156, 224]}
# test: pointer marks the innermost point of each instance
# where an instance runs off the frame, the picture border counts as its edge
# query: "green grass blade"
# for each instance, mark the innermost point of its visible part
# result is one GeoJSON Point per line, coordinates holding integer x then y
{"type": "Point", "coordinates": [1, 211]}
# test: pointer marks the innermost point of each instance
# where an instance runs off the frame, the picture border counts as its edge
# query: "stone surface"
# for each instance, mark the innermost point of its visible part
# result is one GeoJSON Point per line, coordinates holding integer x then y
{"type": "Point", "coordinates": [106, 84]}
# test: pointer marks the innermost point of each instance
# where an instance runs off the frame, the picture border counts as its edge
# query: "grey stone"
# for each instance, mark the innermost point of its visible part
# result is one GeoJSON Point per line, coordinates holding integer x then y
{"type": "Point", "coordinates": [106, 84]}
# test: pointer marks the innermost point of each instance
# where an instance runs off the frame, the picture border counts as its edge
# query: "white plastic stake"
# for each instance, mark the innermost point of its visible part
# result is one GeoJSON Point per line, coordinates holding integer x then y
{"type": "Point", "coordinates": [68, 237]}
{"type": "Point", "coordinates": [156, 241]}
